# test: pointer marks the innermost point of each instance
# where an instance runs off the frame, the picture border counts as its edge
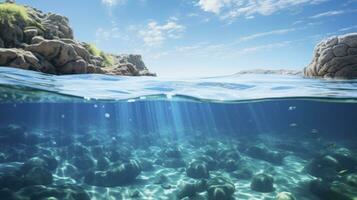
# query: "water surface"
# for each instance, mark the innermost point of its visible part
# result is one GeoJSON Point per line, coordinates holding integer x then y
{"type": "Point", "coordinates": [159, 130]}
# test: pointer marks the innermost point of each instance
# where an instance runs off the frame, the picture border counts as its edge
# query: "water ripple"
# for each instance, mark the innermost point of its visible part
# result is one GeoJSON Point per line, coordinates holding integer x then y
{"type": "Point", "coordinates": [42, 87]}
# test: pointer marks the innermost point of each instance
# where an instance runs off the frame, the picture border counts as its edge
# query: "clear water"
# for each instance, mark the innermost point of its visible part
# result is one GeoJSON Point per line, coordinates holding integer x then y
{"type": "Point", "coordinates": [169, 129]}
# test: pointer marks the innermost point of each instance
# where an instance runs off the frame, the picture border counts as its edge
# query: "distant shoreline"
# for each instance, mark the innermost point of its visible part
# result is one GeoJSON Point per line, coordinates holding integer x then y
{"type": "Point", "coordinates": [271, 71]}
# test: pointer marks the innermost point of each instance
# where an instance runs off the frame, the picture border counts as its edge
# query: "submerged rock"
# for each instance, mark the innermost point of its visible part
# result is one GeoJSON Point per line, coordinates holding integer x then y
{"type": "Point", "coordinates": [11, 177]}
{"type": "Point", "coordinates": [84, 162]}
{"type": "Point", "coordinates": [63, 192]}
{"type": "Point", "coordinates": [38, 176]}
{"type": "Point", "coordinates": [191, 189]}
{"type": "Point", "coordinates": [7, 194]}
{"type": "Point", "coordinates": [244, 174]}
{"type": "Point", "coordinates": [335, 57]}
{"type": "Point", "coordinates": [351, 179]}
{"type": "Point", "coordinates": [262, 153]}
{"type": "Point", "coordinates": [187, 190]}
{"type": "Point", "coordinates": [333, 191]}
{"type": "Point", "coordinates": [197, 169]}
{"type": "Point", "coordinates": [285, 196]}
{"type": "Point", "coordinates": [16, 134]}
{"type": "Point", "coordinates": [172, 153]}
{"type": "Point", "coordinates": [325, 167]}
{"type": "Point", "coordinates": [46, 162]}
{"type": "Point", "coordinates": [116, 176]}
{"type": "Point", "coordinates": [262, 183]}
{"type": "Point", "coordinates": [36, 172]}
{"type": "Point", "coordinates": [231, 165]}
{"type": "Point", "coordinates": [220, 188]}
{"type": "Point", "coordinates": [211, 163]}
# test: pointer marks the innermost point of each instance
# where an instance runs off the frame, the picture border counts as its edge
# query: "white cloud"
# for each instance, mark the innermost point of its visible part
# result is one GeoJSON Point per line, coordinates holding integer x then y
{"type": "Point", "coordinates": [332, 13]}
{"type": "Point", "coordinates": [268, 33]}
{"type": "Point", "coordinates": [231, 9]}
{"type": "Point", "coordinates": [112, 3]}
{"type": "Point", "coordinates": [214, 6]}
{"type": "Point", "coordinates": [107, 34]}
{"type": "Point", "coordinates": [155, 34]}
{"type": "Point", "coordinates": [224, 51]}
{"type": "Point", "coordinates": [264, 47]}
{"type": "Point", "coordinates": [328, 14]}
{"type": "Point", "coordinates": [347, 28]}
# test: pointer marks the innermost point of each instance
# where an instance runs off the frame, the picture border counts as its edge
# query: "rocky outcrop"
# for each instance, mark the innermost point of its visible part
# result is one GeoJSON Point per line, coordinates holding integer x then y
{"type": "Point", "coordinates": [335, 57]}
{"type": "Point", "coordinates": [44, 42]}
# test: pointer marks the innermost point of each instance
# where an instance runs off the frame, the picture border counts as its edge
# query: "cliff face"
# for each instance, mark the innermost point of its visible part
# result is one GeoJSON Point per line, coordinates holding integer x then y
{"type": "Point", "coordinates": [33, 40]}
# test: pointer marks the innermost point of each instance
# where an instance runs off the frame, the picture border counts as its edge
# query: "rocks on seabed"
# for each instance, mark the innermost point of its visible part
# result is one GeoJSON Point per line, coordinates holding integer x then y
{"type": "Point", "coordinates": [333, 190]}
{"type": "Point", "coordinates": [285, 196]}
{"type": "Point", "coordinates": [262, 183]}
{"type": "Point", "coordinates": [220, 188]}
{"type": "Point", "coordinates": [60, 192]}
{"type": "Point", "coordinates": [335, 57]}
{"type": "Point", "coordinates": [171, 158]}
{"type": "Point", "coordinates": [190, 189]}
{"type": "Point", "coordinates": [211, 163]}
{"type": "Point", "coordinates": [263, 153]}
{"type": "Point", "coordinates": [16, 134]}
{"type": "Point", "coordinates": [197, 169]}
{"type": "Point", "coordinates": [116, 176]}
{"type": "Point", "coordinates": [325, 167]}
{"type": "Point", "coordinates": [33, 174]}
{"type": "Point", "coordinates": [351, 179]}
{"type": "Point", "coordinates": [244, 173]}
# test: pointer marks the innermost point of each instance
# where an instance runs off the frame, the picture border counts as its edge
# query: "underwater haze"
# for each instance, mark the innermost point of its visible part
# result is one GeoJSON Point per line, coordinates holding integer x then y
{"type": "Point", "coordinates": [248, 136]}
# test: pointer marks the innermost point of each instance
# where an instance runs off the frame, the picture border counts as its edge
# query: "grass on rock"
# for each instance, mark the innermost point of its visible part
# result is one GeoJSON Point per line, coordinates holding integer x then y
{"type": "Point", "coordinates": [107, 59]}
{"type": "Point", "coordinates": [11, 12]}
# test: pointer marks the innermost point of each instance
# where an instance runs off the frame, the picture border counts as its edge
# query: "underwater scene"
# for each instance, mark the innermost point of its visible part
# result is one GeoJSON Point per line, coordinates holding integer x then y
{"type": "Point", "coordinates": [101, 137]}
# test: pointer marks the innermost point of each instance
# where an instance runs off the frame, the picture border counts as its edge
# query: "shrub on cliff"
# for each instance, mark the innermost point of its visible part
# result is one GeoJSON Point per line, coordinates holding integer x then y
{"type": "Point", "coordinates": [93, 49]}
{"type": "Point", "coordinates": [11, 12]}
{"type": "Point", "coordinates": [108, 60]}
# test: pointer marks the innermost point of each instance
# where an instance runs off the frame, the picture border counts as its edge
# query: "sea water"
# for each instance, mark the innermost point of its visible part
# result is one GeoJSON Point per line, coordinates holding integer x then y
{"type": "Point", "coordinates": [233, 137]}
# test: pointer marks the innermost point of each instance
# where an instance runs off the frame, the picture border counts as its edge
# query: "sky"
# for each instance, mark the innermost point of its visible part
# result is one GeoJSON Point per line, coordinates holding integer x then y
{"type": "Point", "coordinates": [192, 38]}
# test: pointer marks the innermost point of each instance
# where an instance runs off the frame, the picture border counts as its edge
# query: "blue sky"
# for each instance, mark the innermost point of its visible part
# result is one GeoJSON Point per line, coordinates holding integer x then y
{"type": "Point", "coordinates": [208, 37]}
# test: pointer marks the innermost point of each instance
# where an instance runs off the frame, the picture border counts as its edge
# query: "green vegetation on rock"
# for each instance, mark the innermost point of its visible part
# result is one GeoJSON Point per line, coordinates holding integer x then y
{"type": "Point", "coordinates": [108, 60]}
{"type": "Point", "coordinates": [11, 12]}
{"type": "Point", "coordinates": [93, 49]}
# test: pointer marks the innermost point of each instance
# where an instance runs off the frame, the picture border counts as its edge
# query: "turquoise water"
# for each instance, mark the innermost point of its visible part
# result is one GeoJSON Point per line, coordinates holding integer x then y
{"type": "Point", "coordinates": [233, 137]}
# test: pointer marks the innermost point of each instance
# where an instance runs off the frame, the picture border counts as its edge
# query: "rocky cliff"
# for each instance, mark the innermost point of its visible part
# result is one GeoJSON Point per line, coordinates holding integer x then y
{"type": "Point", "coordinates": [33, 40]}
{"type": "Point", "coordinates": [335, 57]}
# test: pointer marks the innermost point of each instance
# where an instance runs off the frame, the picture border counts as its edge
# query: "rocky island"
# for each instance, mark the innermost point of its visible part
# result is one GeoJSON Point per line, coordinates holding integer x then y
{"type": "Point", "coordinates": [44, 42]}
